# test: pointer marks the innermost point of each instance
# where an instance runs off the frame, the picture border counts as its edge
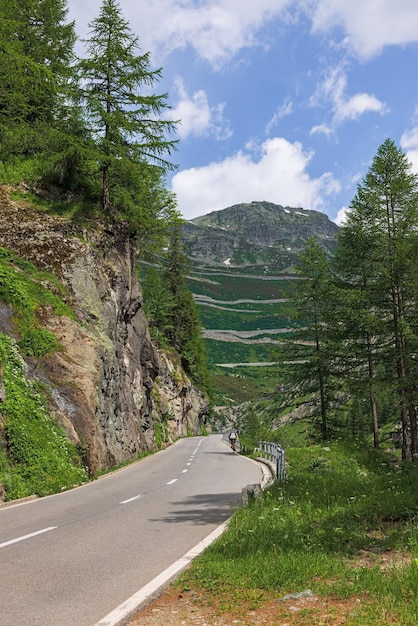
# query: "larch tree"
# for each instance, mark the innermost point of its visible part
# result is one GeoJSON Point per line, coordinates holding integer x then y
{"type": "Point", "coordinates": [361, 340]}
{"type": "Point", "coordinates": [125, 119]}
{"type": "Point", "coordinates": [386, 207]}
{"type": "Point", "coordinates": [186, 328]}
{"type": "Point", "coordinates": [36, 50]}
{"type": "Point", "coordinates": [307, 351]}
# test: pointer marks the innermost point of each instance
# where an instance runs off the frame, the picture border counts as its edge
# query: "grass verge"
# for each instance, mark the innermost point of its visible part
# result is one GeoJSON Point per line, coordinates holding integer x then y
{"type": "Point", "coordinates": [343, 525]}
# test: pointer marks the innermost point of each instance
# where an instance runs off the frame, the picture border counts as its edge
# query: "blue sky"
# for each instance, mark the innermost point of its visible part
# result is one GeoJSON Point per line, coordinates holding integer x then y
{"type": "Point", "coordinates": [279, 100]}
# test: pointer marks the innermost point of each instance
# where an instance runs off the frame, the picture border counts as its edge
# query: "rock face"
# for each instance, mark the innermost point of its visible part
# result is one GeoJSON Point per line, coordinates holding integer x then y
{"type": "Point", "coordinates": [256, 235]}
{"type": "Point", "coordinates": [109, 388]}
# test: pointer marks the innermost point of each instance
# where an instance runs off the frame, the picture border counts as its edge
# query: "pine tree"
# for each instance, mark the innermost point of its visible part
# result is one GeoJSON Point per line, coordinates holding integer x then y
{"type": "Point", "coordinates": [383, 226]}
{"type": "Point", "coordinates": [124, 117]}
{"type": "Point", "coordinates": [186, 328]}
{"type": "Point", "coordinates": [307, 354]}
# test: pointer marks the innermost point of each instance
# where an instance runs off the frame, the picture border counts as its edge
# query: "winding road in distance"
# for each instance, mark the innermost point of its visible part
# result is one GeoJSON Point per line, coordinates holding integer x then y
{"type": "Point", "coordinates": [72, 558]}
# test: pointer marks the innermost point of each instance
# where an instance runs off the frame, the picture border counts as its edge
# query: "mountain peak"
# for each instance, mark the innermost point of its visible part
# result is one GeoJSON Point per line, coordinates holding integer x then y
{"type": "Point", "coordinates": [255, 234]}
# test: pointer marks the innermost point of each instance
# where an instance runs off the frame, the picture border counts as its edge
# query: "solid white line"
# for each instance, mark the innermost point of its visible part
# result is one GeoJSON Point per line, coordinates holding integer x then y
{"type": "Point", "coordinates": [171, 481]}
{"type": "Point", "coordinates": [38, 532]}
{"type": "Point", "coordinates": [134, 602]}
{"type": "Point", "coordinates": [141, 495]}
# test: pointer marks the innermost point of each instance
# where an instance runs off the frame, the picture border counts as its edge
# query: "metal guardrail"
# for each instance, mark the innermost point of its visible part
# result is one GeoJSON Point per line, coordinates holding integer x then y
{"type": "Point", "coordinates": [276, 454]}
{"type": "Point", "coordinates": [268, 450]}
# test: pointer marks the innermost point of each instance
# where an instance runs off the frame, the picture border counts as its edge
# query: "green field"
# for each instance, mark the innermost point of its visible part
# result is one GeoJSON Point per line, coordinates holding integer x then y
{"type": "Point", "coordinates": [236, 352]}
{"type": "Point", "coordinates": [218, 319]}
{"type": "Point", "coordinates": [233, 288]}
{"type": "Point", "coordinates": [240, 384]}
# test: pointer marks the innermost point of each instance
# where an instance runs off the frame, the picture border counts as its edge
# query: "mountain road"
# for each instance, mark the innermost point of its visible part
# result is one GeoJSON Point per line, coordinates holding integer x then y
{"type": "Point", "coordinates": [72, 558]}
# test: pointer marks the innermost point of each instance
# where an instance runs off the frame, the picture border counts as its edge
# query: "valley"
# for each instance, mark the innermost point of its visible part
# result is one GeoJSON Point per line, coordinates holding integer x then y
{"type": "Point", "coordinates": [242, 265]}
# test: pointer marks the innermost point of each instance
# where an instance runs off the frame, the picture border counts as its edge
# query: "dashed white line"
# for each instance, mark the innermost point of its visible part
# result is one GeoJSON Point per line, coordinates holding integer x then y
{"type": "Point", "coordinates": [141, 495]}
{"type": "Point", "coordinates": [29, 536]}
{"type": "Point", "coordinates": [170, 482]}
{"type": "Point", "coordinates": [184, 471]}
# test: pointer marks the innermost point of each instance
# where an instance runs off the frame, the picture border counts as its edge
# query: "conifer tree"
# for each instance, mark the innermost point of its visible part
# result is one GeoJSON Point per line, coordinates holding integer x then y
{"type": "Point", "coordinates": [36, 48]}
{"type": "Point", "coordinates": [361, 340]}
{"type": "Point", "coordinates": [308, 351]}
{"type": "Point", "coordinates": [185, 328]}
{"type": "Point", "coordinates": [124, 118]}
{"type": "Point", "coordinates": [382, 227]}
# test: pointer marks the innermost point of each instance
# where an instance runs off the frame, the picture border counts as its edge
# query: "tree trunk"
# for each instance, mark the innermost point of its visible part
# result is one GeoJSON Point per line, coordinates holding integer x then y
{"type": "Point", "coordinates": [106, 192]}
{"type": "Point", "coordinates": [372, 395]}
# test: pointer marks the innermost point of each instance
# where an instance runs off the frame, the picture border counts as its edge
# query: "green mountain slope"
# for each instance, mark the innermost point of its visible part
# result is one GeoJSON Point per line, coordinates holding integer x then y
{"type": "Point", "coordinates": [242, 263]}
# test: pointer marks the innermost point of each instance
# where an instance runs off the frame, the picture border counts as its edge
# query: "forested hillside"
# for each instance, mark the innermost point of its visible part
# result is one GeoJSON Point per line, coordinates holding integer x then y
{"type": "Point", "coordinates": [328, 330]}
{"type": "Point", "coordinates": [84, 153]}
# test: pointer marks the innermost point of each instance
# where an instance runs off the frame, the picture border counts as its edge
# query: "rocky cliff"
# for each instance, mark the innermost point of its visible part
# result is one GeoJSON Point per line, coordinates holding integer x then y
{"type": "Point", "coordinates": [110, 389]}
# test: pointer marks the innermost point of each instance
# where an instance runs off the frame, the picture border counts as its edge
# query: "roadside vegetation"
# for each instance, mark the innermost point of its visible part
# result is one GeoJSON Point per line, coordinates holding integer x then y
{"type": "Point", "coordinates": [344, 525]}
{"type": "Point", "coordinates": [38, 459]}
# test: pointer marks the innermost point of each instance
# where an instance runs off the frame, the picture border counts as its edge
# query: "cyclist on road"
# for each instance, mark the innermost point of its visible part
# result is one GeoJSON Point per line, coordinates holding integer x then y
{"type": "Point", "coordinates": [233, 440]}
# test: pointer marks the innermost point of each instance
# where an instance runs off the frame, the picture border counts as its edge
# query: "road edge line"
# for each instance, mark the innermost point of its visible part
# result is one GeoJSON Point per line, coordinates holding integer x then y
{"type": "Point", "coordinates": [134, 603]}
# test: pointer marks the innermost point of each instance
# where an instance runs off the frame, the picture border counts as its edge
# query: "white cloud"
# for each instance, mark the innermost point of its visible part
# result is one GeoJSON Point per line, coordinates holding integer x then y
{"type": "Point", "coordinates": [369, 25]}
{"type": "Point", "coordinates": [277, 173]}
{"type": "Point", "coordinates": [333, 90]}
{"type": "Point", "coordinates": [283, 110]}
{"type": "Point", "coordinates": [341, 215]}
{"type": "Point", "coordinates": [321, 129]}
{"type": "Point", "coordinates": [358, 104]}
{"type": "Point", "coordinates": [409, 143]}
{"type": "Point", "coordinates": [216, 29]}
{"type": "Point", "coordinates": [196, 116]}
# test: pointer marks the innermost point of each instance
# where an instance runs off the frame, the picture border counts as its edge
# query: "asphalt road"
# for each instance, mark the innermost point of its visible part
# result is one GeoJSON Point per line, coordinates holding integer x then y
{"type": "Point", "coordinates": [70, 559]}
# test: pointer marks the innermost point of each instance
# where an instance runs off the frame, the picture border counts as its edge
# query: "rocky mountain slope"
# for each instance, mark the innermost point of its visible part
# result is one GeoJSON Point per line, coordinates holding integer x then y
{"type": "Point", "coordinates": [255, 236]}
{"type": "Point", "coordinates": [108, 386]}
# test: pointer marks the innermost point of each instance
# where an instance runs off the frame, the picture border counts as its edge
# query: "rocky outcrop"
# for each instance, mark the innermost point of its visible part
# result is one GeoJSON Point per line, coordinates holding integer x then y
{"type": "Point", "coordinates": [109, 388]}
{"type": "Point", "coordinates": [256, 235]}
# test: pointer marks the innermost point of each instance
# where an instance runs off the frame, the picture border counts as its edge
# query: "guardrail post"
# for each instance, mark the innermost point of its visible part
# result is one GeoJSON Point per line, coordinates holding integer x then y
{"type": "Point", "coordinates": [276, 454]}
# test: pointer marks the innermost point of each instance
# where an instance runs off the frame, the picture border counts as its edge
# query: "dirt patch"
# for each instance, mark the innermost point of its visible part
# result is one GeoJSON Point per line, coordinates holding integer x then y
{"type": "Point", "coordinates": [197, 609]}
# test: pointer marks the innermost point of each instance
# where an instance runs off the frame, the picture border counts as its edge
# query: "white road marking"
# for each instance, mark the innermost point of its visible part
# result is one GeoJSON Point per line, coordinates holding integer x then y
{"type": "Point", "coordinates": [134, 602]}
{"type": "Point", "coordinates": [184, 471]}
{"type": "Point", "coordinates": [23, 537]}
{"type": "Point", "coordinates": [141, 495]}
{"type": "Point", "coordinates": [170, 482]}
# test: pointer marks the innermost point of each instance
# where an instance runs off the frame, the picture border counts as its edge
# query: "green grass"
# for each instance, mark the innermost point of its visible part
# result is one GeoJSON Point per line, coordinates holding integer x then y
{"type": "Point", "coordinates": [39, 459]}
{"type": "Point", "coordinates": [217, 319]}
{"type": "Point", "coordinates": [338, 503]}
{"type": "Point", "coordinates": [248, 307]}
{"type": "Point", "coordinates": [236, 352]}
{"type": "Point", "coordinates": [216, 286]}
{"type": "Point", "coordinates": [77, 209]}
{"type": "Point", "coordinates": [27, 290]}
{"type": "Point", "coordinates": [243, 384]}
